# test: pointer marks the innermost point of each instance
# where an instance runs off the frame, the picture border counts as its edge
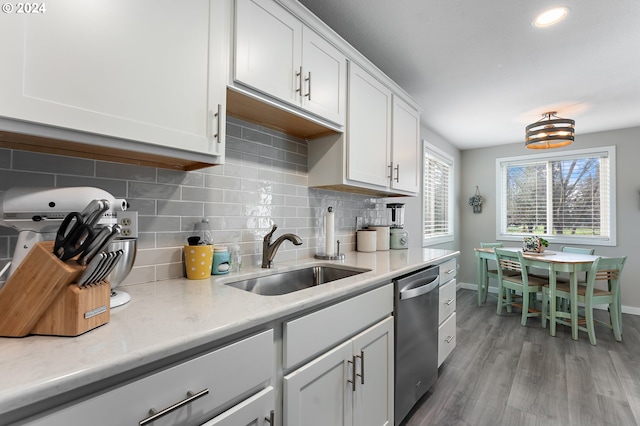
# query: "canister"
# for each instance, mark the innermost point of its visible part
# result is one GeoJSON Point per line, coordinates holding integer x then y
{"type": "Point", "coordinates": [220, 260]}
{"type": "Point", "coordinates": [382, 237]}
{"type": "Point", "coordinates": [197, 261]}
{"type": "Point", "coordinates": [366, 240]}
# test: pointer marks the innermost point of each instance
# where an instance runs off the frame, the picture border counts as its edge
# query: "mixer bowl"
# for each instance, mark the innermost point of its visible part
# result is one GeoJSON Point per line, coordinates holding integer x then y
{"type": "Point", "coordinates": [129, 246]}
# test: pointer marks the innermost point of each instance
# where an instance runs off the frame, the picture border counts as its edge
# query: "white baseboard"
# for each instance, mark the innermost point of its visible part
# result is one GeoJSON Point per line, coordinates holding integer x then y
{"type": "Point", "coordinates": [625, 309]}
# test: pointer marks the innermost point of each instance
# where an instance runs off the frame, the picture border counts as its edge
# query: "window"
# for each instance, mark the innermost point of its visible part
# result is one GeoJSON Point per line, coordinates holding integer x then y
{"type": "Point", "coordinates": [437, 196]}
{"type": "Point", "coordinates": [567, 198]}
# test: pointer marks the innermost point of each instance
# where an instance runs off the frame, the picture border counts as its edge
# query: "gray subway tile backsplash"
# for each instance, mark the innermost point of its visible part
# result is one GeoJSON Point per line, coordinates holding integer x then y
{"type": "Point", "coordinates": [263, 182]}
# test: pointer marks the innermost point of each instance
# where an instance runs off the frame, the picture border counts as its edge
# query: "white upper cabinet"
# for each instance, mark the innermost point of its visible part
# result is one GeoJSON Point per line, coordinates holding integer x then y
{"type": "Point", "coordinates": [276, 54]}
{"type": "Point", "coordinates": [147, 71]}
{"type": "Point", "coordinates": [405, 156]}
{"type": "Point", "coordinates": [379, 152]}
{"type": "Point", "coordinates": [368, 129]}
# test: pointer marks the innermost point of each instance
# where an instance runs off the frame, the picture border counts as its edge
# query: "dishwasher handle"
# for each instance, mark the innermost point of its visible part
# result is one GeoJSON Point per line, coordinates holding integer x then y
{"type": "Point", "coordinates": [419, 291]}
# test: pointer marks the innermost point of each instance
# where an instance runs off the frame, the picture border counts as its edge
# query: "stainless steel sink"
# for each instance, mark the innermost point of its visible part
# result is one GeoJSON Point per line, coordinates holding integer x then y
{"type": "Point", "coordinates": [299, 279]}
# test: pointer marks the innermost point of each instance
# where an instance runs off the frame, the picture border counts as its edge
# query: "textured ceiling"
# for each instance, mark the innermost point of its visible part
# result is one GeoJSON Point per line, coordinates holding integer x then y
{"type": "Point", "coordinates": [482, 72]}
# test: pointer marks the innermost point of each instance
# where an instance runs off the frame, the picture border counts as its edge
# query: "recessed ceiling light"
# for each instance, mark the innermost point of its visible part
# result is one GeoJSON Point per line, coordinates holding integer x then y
{"type": "Point", "coordinates": [550, 17]}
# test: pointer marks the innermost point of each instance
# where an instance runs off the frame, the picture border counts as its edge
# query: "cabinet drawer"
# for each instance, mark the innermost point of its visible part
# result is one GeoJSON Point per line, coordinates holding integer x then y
{"type": "Point", "coordinates": [448, 270]}
{"type": "Point", "coordinates": [446, 338]}
{"type": "Point", "coordinates": [254, 411]}
{"type": "Point", "coordinates": [315, 333]}
{"type": "Point", "coordinates": [226, 373]}
{"type": "Point", "coordinates": [447, 300]}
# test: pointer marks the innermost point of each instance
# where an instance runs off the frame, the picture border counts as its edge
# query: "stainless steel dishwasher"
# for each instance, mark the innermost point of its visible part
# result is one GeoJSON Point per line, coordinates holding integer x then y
{"type": "Point", "coordinates": [416, 335]}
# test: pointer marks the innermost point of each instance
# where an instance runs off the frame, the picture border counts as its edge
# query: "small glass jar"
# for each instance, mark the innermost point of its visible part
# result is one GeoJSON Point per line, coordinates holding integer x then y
{"type": "Point", "coordinates": [220, 264]}
{"type": "Point", "coordinates": [235, 258]}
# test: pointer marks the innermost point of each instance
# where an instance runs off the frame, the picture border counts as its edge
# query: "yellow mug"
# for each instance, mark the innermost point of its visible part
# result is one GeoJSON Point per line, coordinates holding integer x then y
{"type": "Point", "coordinates": [198, 261]}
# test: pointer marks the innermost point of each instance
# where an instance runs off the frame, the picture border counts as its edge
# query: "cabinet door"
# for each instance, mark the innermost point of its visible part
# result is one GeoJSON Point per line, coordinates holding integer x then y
{"type": "Point", "coordinates": [324, 70]}
{"type": "Point", "coordinates": [373, 398]}
{"type": "Point", "coordinates": [268, 49]}
{"type": "Point", "coordinates": [318, 393]}
{"type": "Point", "coordinates": [369, 129]}
{"type": "Point", "coordinates": [406, 147]}
{"type": "Point", "coordinates": [132, 70]}
{"type": "Point", "coordinates": [254, 411]}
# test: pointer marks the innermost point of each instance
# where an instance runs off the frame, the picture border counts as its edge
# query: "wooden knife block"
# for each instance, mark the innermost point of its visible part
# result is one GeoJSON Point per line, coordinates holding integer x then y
{"type": "Point", "coordinates": [41, 298]}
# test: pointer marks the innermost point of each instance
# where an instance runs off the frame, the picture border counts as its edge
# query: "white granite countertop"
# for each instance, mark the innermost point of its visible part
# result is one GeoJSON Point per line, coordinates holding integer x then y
{"type": "Point", "coordinates": [166, 318]}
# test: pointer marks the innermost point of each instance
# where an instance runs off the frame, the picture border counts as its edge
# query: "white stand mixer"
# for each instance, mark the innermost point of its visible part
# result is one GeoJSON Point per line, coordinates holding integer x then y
{"type": "Point", "coordinates": [36, 213]}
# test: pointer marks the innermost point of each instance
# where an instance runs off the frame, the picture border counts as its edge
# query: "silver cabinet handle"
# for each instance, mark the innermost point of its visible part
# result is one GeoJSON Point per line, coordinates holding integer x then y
{"type": "Point", "coordinates": [217, 117]}
{"type": "Point", "coordinates": [271, 418]}
{"type": "Point", "coordinates": [390, 171]}
{"type": "Point", "coordinates": [450, 301]}
{"type": "Point", "coordinates": [299, 75]}
{"type": "Point", "coordinates": [353, 373]}
{"type": "Point", "coordinates": [220, 123]}
{"type": "Point", "coordinates": [155, 415]}
{"type": "Point", "coordinates": [450, 271]}
{"type": "Point", "coordinates": [361, 375]}
{"type": "Point", "coordinates": [308, 79]}
{"type": "Point", "coordinates": [448, 339]}
{"type": "Point", "coordinates": [397, 169]}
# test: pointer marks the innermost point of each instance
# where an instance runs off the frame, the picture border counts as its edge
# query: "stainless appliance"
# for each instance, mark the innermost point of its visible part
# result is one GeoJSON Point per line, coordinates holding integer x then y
{"type": "Point", "coordinates": [416, 336]}
{"type": "Point", "coordinates": [129, 246]}
{"type": "Point", "coordinates": [399, 238]}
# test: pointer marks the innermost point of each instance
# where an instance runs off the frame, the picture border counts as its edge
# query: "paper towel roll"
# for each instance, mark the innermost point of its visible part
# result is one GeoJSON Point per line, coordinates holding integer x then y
{"type": "Point", "coordinates": [329, 225]}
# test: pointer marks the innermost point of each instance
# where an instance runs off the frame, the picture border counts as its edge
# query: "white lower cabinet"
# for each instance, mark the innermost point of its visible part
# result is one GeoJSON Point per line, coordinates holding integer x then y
{"type": "Point", "coordinates": [447, 311]}
{"type": "Point", "coordinates": [197, 388]}
{"type": "Point", "coordinates": [351, 384]}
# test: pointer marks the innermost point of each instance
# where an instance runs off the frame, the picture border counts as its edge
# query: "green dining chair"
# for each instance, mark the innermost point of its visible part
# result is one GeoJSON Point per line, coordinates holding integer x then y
{"type": "Point", "coordinates": [603, 269]}
{"type": "Point", "coordinates": [582, 277]}
{"type": "Point", "coordinates": [492, 271]}
{"type": "Point", "coordinates": [513, 276]}
{"type": "Point", "coordinates": [581, 250]}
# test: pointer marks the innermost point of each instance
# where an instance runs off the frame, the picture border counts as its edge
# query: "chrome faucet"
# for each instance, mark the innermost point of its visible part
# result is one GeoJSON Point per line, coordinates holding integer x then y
{"type": "Point", "coordinates": [269, 250]}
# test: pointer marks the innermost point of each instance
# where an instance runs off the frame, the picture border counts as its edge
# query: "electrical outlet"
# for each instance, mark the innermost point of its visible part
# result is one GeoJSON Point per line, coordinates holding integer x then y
{"type": "Point", "coordinates": [128, 220]}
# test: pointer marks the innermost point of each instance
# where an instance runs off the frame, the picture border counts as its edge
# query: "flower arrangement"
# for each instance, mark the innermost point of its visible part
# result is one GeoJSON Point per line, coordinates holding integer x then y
{"type": "Point", "coordinates": [534, 244]}
{"type": "Point", "coordinates": [476, 201]}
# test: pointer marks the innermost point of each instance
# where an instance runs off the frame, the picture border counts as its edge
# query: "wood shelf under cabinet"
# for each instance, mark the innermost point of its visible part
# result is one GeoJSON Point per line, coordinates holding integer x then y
{"type": "Point", "coordinates": [26, 142]}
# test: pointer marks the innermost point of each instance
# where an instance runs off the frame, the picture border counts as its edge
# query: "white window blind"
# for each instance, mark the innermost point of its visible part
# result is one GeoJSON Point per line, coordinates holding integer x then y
{"type": "Point", "coordinates": [437, 196]}
{"type": "Point", "coordinates": [566, 198]}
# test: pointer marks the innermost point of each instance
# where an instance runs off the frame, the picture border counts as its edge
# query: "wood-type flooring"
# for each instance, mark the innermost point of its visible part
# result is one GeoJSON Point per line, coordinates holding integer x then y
{"type": "Point", "coordinates": [501, 373]}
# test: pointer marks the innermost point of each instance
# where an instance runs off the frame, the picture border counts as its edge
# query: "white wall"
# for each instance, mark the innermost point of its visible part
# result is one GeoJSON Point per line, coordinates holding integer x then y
{"type": "Point", "coordinates": [478, 168]}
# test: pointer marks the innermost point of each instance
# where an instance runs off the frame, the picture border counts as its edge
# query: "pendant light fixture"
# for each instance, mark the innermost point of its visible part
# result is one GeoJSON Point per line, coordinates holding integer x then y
{"type": "Point", "coordinates": [550, 131]}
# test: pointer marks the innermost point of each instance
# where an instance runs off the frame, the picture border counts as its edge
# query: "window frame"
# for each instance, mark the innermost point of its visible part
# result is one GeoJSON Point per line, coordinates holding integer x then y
{"type": "Point", "coordinates": [443, 157]}
{"type": "Point", "coordinates": [569, 155]}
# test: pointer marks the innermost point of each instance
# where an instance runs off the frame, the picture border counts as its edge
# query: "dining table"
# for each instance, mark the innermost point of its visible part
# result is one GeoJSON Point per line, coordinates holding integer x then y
{"type": "Point", "coordinates": [551, 261]}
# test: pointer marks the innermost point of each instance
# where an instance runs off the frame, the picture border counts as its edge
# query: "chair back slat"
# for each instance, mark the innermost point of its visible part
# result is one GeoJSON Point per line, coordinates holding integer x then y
{"type": "Point", "coordinates": [509, 265]}
{"type": "Point", "coordinates": [606, 275]}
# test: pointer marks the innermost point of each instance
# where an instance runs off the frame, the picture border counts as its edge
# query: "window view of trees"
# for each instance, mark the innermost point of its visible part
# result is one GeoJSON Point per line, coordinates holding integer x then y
{"type": "Point", "coordinates": [556, 197]}
{"type": "Point", "coordinates": [437, 197]}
